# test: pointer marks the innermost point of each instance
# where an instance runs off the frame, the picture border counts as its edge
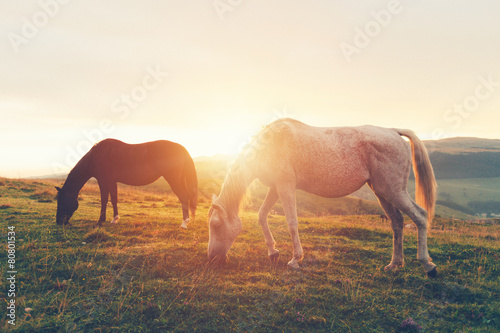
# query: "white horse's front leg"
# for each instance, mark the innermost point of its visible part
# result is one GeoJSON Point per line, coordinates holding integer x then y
{"type": "Point", "coordinates": [297, 247]}
{"type": "Point", "coordinates": [269, 201]}
{"type": "Point", "coordinates": [287, 196]}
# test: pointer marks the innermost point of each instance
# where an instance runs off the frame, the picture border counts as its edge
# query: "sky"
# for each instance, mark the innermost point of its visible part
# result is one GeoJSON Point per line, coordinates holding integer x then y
{"type": "Point", "coordinates": [209, 74]}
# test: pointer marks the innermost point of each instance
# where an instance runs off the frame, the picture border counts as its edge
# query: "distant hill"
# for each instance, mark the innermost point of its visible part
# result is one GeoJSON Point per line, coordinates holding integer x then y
{"type": "Point", "coordinates": [464, 157]}
{"type": "Point", "coordinates": [460, 145]}
{"type": "Point", "coordinates": [59, 176]}
{"type": "Point", "coordinates": [466, 165]}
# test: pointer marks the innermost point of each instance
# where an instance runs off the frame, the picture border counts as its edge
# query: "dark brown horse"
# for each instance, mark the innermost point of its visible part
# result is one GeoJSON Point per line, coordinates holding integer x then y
{"type": "Point", "coordinates": [112, 161]}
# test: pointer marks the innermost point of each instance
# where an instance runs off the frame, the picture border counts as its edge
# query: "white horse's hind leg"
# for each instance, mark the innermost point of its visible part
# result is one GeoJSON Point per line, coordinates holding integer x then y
{"type": "Point", "coordinates": [269, 201]}
{"type": "Point", "coordinates": [419, 217]}
{"type": "Point", "coordinates": [397, 222]}
{"type": "Point", "coordinates": [287, 196]}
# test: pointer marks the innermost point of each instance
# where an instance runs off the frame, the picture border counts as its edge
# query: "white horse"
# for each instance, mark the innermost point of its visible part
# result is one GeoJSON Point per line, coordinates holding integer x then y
{"type": "Point", "coordinates": [330, 162]}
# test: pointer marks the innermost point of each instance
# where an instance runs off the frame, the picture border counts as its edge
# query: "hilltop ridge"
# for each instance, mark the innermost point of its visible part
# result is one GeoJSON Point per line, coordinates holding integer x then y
{"type": "Point", "coordinates": [463, 145]}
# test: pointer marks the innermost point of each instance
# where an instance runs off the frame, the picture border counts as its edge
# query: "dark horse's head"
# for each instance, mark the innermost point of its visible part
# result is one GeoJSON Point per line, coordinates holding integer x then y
{"type": "Point", "coordinates": [67, 204]}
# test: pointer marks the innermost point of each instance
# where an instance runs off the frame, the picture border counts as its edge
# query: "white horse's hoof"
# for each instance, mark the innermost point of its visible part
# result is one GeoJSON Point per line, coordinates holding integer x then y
{"type": "Point", "coordinates": [393, 267]}
{"type": "Point", "coordinates": [432, 273]}
{"type": "Point", "coordinates": [293, 264]}
{"type": "Point", "coordinates": [431, 270]}
{"type": "Point", "coordinates": [184, 224]}
{"type": "Point", "coordinates": [275, 256]}
{"type": "Point", "coordinates": [115, 219]}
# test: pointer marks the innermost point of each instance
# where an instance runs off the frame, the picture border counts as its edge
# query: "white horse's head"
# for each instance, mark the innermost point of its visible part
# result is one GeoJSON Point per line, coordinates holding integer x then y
{"type": "Point", "coordinates": [224, 227]}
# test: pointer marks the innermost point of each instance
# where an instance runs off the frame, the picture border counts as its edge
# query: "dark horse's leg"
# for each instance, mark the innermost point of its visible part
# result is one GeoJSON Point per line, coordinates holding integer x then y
{"type": "Point", "coordinates": [104, 201]}
{"type": "Point", "coordinates": [180, 190]}
{"type": "Point", "coordinates": [114, 202]}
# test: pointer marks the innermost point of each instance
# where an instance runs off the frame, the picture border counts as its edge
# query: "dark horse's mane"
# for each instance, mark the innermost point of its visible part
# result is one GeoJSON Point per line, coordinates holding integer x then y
{"type": "Point", "coordinates": [80, 173]}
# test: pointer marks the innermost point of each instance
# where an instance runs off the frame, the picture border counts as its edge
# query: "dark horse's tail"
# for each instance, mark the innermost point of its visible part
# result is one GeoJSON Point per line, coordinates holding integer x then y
{"type": "Point", "coordinates": [191, 181]}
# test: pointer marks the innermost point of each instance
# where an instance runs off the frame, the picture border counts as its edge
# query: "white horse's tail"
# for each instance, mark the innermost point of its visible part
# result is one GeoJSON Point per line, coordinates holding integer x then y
{"type": "Point", "coordinates": [425, 182]}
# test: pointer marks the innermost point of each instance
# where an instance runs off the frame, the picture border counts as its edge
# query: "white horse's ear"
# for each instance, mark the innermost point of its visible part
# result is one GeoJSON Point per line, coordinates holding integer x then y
{"type": "Point", "coordinates": [217, 220]}
{"type": "Point", "coordinates": [218, 207]}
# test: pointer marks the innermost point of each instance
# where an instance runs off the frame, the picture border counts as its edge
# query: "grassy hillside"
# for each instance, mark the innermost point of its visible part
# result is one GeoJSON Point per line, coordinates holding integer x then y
{"type": "Point", "coordinates": [463, 157]}
{"type": "Point", "coordinates": [476, 195]}
{"type": "Point", "coordinates": [145, 274]}
{"type": "Point", "coordinates": [466, 165]}
{"type": "Point", "coordinates": [464, 191]}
